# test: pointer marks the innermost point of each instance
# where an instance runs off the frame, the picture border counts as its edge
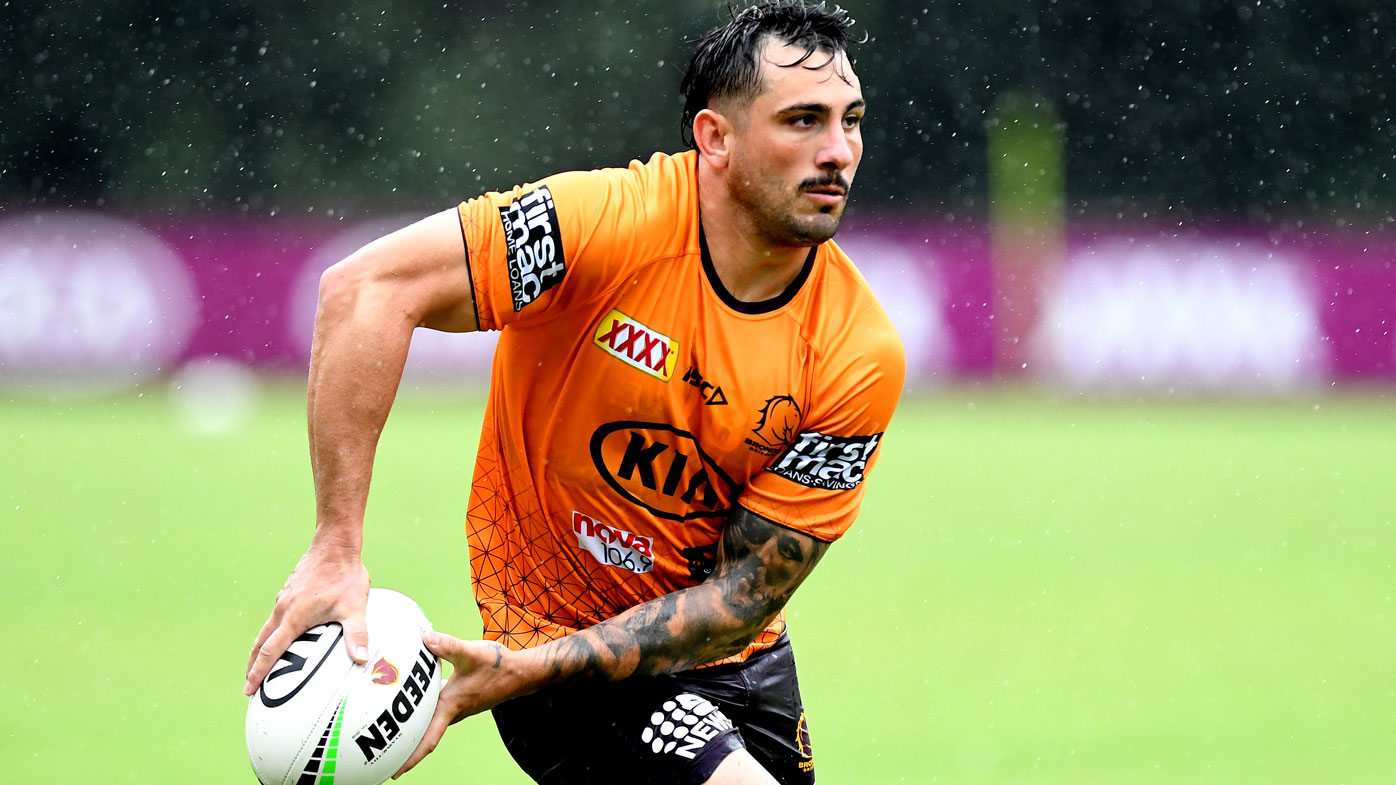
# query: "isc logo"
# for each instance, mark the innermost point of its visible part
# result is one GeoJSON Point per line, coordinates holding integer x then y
{"type": "Point", "coordinates": [637, 345]}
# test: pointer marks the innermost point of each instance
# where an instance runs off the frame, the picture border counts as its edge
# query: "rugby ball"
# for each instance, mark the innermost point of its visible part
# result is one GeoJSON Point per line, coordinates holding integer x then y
{"type": "Point", "coordinates": [321, 718]}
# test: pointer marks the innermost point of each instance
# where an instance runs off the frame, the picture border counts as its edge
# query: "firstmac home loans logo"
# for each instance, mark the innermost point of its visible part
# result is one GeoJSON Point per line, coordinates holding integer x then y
{"type": "Point", "coordinates": [534, 253]}
{"type": "Point", "coordinates": [831, 462]}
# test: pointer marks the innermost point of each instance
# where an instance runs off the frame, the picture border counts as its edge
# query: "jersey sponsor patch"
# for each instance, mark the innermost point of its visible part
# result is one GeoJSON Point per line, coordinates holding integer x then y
{"type": "Point", "coordinates": [637, 345]}
{"type": "Point", "coordinates": [534, 254]}
{"type": "Point", "coordinates": [661, 469]}
{"type": "Point", "coordinates": [830, 462]}
{"type": "Point", "coordinates": [613, 547]}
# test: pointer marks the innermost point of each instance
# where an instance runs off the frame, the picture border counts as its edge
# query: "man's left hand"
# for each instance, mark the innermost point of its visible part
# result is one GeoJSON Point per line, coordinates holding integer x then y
{"type": "Point", "coordinates": [481, 678]}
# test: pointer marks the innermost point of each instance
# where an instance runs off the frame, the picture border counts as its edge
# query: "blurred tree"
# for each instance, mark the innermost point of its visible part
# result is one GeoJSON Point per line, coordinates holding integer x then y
{"type": "Point", "coordinates": [1180, 107]}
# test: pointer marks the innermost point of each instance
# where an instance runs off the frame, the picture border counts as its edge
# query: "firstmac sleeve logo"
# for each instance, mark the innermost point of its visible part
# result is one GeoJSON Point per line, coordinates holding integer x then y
{"type": "Point", "coordinates": [831, 462]}
{"type": "Point", "coordinates": [534, 255]}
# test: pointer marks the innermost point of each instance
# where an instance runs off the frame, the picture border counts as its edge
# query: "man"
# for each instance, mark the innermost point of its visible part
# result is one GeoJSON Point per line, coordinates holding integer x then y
{"type": "Point", "coordinates": [690, 385]}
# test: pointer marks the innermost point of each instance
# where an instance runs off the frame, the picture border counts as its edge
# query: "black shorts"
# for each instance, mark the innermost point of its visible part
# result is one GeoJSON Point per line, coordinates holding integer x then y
{"type": "Point", "coordinates": [664, 729]}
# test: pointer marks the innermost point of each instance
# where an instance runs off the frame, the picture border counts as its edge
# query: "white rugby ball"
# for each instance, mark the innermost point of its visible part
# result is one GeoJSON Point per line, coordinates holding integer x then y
{"type": "Point", "coordinates": [320, 718]}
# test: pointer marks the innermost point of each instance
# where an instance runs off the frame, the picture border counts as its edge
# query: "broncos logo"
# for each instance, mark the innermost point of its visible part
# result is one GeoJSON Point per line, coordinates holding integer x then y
{"type": "Point", "coordinates": [778, 426]}
{"type": "Point", "coordinates": [384, 672]}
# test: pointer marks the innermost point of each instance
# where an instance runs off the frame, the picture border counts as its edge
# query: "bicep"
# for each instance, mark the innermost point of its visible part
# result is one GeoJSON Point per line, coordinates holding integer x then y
{"type": "Point", "coordinates": [420, 269]}
{"type": "Point", "coordinates": [761, 564]}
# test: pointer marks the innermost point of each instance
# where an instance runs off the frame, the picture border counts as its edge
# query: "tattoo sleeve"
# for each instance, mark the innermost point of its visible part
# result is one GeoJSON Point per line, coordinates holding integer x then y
{"type": "Point", "coordinates": [759, 566]}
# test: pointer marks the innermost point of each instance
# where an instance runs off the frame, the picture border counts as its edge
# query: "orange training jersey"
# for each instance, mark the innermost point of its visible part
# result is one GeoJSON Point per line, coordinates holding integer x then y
{"type": "Point", "coordinates": [634, 402]}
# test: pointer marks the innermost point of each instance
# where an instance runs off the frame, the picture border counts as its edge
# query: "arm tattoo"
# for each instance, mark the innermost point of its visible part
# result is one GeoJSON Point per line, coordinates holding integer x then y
{"type": "Point", "coordinates": [760, 564]}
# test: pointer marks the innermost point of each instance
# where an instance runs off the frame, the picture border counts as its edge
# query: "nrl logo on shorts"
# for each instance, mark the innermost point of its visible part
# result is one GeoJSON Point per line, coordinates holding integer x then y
{"type": "Point", "coordinates": [777, 426]}
{"type": "Point", "coordinates": [637, 345]}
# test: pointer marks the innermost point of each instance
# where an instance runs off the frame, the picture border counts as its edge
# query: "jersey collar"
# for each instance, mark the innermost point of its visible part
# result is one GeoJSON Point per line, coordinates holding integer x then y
{"type": "Point", "coordinates": [761, 306]}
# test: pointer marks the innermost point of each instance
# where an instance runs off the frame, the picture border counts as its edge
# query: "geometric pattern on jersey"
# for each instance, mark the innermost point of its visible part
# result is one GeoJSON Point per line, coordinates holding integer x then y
{"type": "Point", "coordinates": [559, 593]}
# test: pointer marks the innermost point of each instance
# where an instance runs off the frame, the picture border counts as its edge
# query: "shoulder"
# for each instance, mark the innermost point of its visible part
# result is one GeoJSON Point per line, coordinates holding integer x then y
{"type": "Point", "coordinates": [678, 169]}
{"type": "Point", "coordinates": [851, 319]}
{"type": "Point", "coordinates": [570, 237]}
{"type": "Point", "coordinates": [859, 361]}
{"type": "Point", "coordinates": [647, 209]}
{"type": "Point", "coordinates": [664, 181]}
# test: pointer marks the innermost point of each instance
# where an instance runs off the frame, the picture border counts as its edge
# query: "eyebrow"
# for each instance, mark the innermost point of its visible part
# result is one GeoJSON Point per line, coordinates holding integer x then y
{"type": "Point", "coordinates": [819, 108]}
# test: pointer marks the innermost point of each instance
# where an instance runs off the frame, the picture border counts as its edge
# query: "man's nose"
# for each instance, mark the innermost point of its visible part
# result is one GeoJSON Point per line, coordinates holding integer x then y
{"type": "Point", "coordinates": [837, 151]}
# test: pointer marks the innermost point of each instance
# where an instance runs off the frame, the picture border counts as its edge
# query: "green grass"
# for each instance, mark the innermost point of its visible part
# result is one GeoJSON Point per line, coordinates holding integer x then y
{"type": "Point", "coordinates": [1038, 590]}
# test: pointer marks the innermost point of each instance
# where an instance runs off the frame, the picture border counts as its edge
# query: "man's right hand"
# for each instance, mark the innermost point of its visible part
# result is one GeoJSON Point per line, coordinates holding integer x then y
{"type": "Point", "coordinates": [324, 587]}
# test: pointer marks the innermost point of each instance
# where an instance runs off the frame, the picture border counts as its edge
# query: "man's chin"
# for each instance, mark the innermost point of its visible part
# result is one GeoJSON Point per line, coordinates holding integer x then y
{"type": "Point", "coordinates": [804, 230]}
{"type": "Point", "coordinates": [819, 228]}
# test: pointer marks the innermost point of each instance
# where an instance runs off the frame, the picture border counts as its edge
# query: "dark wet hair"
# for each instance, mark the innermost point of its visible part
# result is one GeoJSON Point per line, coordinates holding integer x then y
{"type": "Point", "coordinates": [725, 65]}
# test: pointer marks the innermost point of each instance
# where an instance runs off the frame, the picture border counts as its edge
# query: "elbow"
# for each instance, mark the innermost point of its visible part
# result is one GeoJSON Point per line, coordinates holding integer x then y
{"type": "Point", "coordinates": [741, 634]}
{"type": "Point", "coordinates": [340, 286]}
{"type": "Point", "coordinates": [734, 643]}
{"type": "Point", "coordinates": [362, 282]}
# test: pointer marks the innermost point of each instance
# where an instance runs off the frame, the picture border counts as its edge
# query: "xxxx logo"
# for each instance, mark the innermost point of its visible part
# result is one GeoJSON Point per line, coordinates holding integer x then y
{"type": "Point", "coordinates": [637, 345]}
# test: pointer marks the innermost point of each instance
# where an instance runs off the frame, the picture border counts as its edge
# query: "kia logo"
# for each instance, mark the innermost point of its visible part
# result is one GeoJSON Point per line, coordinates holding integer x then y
{"type": "Point", "coordinates": [661, 469]}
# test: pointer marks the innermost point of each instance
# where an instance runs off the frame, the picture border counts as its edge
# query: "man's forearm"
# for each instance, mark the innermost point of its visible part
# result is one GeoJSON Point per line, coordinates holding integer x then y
{"type": "Point", "coordinates": [761, 567]}
{"type": "Point", "coordinates": [356, 365]}
{"type": "Point", "coordinates": [670, 633]}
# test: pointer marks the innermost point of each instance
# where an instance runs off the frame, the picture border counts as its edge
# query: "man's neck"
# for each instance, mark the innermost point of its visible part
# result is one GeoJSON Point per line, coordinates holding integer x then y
{"type": "Point", "coordinates": [751, 269]}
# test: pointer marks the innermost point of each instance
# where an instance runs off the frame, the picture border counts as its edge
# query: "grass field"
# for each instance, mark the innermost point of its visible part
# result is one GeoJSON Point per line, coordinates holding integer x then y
{"type": "Point", "coordinates": [1038, 590]}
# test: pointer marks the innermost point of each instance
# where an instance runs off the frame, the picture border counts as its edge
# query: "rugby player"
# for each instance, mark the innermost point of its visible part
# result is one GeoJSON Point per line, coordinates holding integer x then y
{"type": "Point", "coordinates": [690, 387]}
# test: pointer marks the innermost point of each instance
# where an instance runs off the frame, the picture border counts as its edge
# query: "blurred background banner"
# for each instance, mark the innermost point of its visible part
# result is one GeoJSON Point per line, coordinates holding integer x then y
{"type": "Point", "coordinates": [92, 303]}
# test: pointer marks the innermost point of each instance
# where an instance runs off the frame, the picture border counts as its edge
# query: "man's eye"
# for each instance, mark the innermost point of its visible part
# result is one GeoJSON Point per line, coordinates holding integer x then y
{"type": "Point", "coordinates": [804, 120]}
{"type": "Point", "coordinates": [852, 121]}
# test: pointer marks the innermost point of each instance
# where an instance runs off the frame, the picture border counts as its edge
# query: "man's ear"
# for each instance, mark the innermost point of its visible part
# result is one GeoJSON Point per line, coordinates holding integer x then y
{"type": "Point", "coordinates": [712, 135]}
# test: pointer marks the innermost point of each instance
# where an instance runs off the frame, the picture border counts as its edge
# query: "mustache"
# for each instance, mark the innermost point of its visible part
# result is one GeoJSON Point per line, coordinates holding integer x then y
{"type": "Point", "coordinates": [834, 179]}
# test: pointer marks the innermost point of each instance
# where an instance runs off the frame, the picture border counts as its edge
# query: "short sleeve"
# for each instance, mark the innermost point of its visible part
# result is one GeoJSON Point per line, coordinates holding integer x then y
{"type": "Point", "coordinates": [546, 246]}
{"type": "Point", "coordinates": [816, 484]}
